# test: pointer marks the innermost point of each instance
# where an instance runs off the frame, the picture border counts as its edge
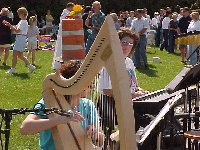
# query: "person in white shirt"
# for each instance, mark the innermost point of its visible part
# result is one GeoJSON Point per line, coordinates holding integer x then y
{"type": "Point", "coordinates": [140, 26]}
{"type": "Point", "coordinates": [180, 15]}
{"type": "Point", "coordinates": [165, 25]}
{"type": "Point", "coordinates": [193, 26]}
{"type": "Point", "coordinates": [145, 15]}
{"type": "Point", "coordinates": [20, 43]}
{"type": "Point", "coordinates": [154, 21]}
{"type": "Point", "coordinates": [33, 36]}
{"type": "Point", "coordinates": [130, 19]}
{"type": "Point", "coordinates": [58, 47]}
{"type": "Point", "coordinates": [10, 14]}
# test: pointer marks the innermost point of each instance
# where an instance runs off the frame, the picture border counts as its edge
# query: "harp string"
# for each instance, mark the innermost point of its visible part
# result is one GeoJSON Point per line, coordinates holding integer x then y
{"type": "Point", "coordinates": [68, 124]}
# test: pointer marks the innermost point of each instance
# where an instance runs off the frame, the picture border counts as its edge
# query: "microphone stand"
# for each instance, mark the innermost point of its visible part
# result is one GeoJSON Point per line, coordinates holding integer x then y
{"type": "Point", "coordinates": [8, 113]}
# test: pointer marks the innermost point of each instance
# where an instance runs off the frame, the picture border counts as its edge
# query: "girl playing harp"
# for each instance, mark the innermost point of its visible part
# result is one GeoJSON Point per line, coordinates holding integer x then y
{"type": "Point", "coordinates": [84, 112]}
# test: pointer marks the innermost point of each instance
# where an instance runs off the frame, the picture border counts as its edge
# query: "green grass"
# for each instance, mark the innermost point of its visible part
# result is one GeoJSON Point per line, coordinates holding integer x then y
{"type": "Point", "coordinates": [23, 90]}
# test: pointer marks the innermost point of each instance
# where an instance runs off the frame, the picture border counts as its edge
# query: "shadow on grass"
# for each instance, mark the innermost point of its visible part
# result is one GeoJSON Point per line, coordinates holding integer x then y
{"type": "Point", "coordinates": [22, 75]}
{"type": "Point", "coordinates": [150, 71]}
{"type": "Point", "coordinates": [4, 67]}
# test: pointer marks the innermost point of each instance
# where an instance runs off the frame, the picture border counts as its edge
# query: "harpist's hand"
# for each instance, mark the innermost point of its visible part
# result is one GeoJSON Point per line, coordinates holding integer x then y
{"type": "Point", "coordinates": [76, 118]}
{"type": "Point", "coordinates": [96, 135]}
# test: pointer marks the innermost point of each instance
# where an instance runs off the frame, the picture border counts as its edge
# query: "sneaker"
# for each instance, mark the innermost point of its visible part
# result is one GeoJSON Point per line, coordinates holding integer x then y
{"type": "Point", "coordinates": [12, 70]}
{"type": "Point", "coordinates": [31, 68]}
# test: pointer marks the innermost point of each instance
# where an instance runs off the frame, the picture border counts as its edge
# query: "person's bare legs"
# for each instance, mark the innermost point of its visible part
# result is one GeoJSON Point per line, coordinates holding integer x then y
{"type": "Point", "coordinates": [22, 57]}
{"type": "Point", "coordinates": [28, 54]}
{"type": "Point", "coordinates": [1, 51]}
{"type": "Point", "coordinates": [183, 54]}
{"type": "Point", "coordinates": [14, 59]}
{"type": "Point", "coordinates": [7, 52]}
{"type": "Point", "coordinates": [33, 56]}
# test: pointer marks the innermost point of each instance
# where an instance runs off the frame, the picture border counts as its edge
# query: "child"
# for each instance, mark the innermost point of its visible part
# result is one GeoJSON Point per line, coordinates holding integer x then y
{"type": "Point", "coordinates": [86, 115]}
{"type": "Point", "coordinates": [21, 31]}
{"type": "Point", "coordinates": [33, 35]}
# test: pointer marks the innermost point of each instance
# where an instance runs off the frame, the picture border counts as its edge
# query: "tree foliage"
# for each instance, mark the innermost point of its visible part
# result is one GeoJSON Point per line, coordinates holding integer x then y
{"type": "Point", "coordinates": [56, 6]}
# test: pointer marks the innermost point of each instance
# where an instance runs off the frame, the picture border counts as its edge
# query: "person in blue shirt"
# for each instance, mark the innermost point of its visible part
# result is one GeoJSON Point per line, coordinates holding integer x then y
{"type": "Point", "coordinates": [85, 113]}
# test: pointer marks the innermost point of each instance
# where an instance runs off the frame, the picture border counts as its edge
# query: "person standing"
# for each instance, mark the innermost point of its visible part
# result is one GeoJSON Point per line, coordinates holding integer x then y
{"type": "Point", "coordinates": [130, 19]}
{"type": "Point", "coordinates": [193, 26]}
{"type": "Point", "coordinates": [21, 31]}
{"type": "Point", "coordinates": [33, 36]}
{"type": "Point", "coordinates": [165, 25]}
{"type": "Point", "coordinates": [86, 28]}
{"type": "Point", "coordinates": [140, 25]}
{"type": "Point", "coordinates": [95, 18]}
{"type": "Point", "coordinates": [5, 35]}
{"type": "Point", "coordinates": [173, 25]}
{"type": "Point", "coordinates": [182, 28]}
{"type": "Point", "coordinates": [49, 22]}
{"type": "Point", "coordinates": [58, 46]}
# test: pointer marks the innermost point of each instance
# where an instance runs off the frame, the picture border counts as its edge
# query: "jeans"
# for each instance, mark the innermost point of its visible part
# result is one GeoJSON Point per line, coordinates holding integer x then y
{"type": "Point", "coordinates": [192, 55]}
{"type": "Point", "coordinates": [89, 42]}
{"type": "Point", "coordinates": [171, 42]}
{"type": "Point", "coordinates": [140, 52]}
{"type": "Point", "coordinates": [86, 34]}
{"type": "Point", "coordinates": [164, 44]}
{"type": "Point", "coordinates": [157, 37]}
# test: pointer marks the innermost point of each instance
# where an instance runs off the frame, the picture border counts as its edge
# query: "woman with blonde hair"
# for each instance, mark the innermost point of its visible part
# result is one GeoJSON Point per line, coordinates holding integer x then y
{"type": "Point", "coordinates": [193, 26]}
{"type": "Point", "coordinates": [20, 42]}
{"type": "Point", "coordinates": [5, 35]}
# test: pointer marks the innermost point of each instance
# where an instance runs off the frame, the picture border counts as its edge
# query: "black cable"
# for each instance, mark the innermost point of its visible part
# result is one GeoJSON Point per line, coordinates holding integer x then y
{"type": "Point", "coordinates": [0, 134]}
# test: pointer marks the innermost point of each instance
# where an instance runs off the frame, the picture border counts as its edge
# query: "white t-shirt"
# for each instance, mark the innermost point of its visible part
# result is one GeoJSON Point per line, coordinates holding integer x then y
{"type": "Point", "coordinates": [165, 23]}
{"type": "Point", "coordinates": [194, 26]}
{"type": "Point", "coordinates": [129, 21]}
{"type": "Point", "coordinates": [64, 14]}
{"type": "Point", "coordinates": [179, 17]}
{"type": "Point", "coordinates": [23, 26]}
{"type": "Point", "coordinates": [154, 22]}
{"type": "Point", "coordinates": [105, 82]}
{"type": "Point", "coordinates": [139, 24]}
{"type": "Point", "coordinates": [33, 31]}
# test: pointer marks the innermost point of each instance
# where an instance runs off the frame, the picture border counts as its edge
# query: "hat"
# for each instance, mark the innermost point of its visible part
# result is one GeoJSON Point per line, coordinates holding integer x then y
{"type": "Point", "coordinates": [156, 13]}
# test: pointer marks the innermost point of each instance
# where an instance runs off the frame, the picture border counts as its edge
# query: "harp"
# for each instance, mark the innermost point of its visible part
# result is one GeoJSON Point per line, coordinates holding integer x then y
{"type": "Point", "coordinates": [105, 51]}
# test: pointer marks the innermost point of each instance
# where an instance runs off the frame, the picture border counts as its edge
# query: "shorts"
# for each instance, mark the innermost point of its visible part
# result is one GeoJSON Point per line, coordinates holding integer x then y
{"type": "Point", "coordinates": [5, 46]}
{"type": "Point", "coordinates": [20, 43]}
{"type": "Point", "coordinates": [32, 43]}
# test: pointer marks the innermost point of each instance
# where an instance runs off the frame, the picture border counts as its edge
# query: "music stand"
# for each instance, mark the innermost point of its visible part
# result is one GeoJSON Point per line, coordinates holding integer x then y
{"type": "Point", "coordinates": [158, 118]}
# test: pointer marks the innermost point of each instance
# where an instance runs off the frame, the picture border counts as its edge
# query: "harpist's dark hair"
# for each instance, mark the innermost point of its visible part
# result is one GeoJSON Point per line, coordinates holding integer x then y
{"type": "Point", "coordinates": [68, 70]}
{"type": "Point", "coordinates": [125, 32]}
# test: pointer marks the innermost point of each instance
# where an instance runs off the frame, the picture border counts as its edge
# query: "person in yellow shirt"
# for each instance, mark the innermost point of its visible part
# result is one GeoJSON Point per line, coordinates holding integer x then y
{"type": "Point", "coordinates": [49, 22]}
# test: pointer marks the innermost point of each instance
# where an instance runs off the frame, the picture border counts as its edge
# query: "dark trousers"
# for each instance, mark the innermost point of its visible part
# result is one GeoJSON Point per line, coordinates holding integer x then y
{"type": "Point", "coordinates": [164, 44]}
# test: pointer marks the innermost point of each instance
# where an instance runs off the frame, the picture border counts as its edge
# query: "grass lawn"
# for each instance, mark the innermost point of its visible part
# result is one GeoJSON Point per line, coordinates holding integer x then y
{"type": "Point", "coordinates": [23, 89]}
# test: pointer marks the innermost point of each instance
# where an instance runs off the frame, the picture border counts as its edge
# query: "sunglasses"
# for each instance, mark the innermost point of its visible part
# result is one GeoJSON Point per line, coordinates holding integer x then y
{"type": "Point", "coordinates": [126, 43]}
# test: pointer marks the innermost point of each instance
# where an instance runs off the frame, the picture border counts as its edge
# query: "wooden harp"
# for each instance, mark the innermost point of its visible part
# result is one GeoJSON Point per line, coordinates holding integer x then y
{"type": "Point", "coordinates": [105, 51]}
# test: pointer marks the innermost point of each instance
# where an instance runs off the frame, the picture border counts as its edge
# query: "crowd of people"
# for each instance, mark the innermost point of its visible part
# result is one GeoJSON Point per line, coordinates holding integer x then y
{"type": "Point", "coordinates": [167, 24]}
